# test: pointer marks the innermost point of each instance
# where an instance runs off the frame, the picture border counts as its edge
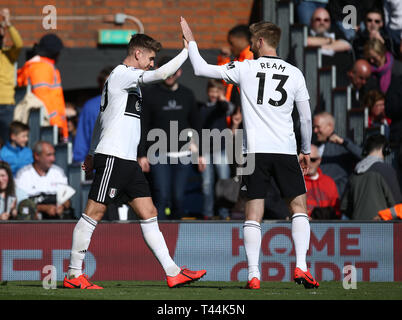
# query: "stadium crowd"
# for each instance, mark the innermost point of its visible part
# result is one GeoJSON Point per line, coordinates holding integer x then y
{"type": "Point", "coordinates": [346, 180]}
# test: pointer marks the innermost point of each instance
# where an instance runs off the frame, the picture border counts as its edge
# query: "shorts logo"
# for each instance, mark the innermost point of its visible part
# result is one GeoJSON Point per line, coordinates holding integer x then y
{"type": "Point", "coordinates": [112, 192]}
{"type": "Point", "coordinates": [138, 106]}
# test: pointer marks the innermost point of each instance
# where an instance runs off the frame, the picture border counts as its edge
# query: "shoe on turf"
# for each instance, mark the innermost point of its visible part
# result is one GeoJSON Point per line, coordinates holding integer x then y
{"type": "Point", "coordinates": [185, 276]}
{"type": "Point", "coordinates": [305, 278]}
{"type": "Point", "coordinates": [254, 283]}
{"type": "Point", "coordinates": [81, 282]}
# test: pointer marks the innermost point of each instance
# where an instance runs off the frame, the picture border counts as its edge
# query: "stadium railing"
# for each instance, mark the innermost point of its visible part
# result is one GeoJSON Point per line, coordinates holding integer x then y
{"type": "Point", "coordinates": [34, 123]}
{"type": "Point", "coordinates": [298, 40]}
{"type": "Point", "coordinates": [341, 104]}
{"type": "Point", "coordinates": [49, 134]}
{"type": "Point", "coordinates": [357, 122]}
{"type": "Point", "coordinates": [312, 63]}
{"type": "Point", "coordinates": [284, 17]}
{"type": "Point", "coordinates": [326, 83]}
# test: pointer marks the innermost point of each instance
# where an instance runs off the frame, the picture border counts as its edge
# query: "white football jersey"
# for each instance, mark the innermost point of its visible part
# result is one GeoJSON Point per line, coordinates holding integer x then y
{"type": "Point", "coordinates": [28, 180]}
{"type": "Point", "coordinates": [268, 88]}
{"type": "Point", "coordinates": [120, 112]}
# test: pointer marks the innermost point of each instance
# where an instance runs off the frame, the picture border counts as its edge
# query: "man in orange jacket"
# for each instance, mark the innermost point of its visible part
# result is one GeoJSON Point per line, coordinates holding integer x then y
{"type": "Point", "coordinates": [45, 81]}
{"type": "Point", "coordinates": [239, 42]}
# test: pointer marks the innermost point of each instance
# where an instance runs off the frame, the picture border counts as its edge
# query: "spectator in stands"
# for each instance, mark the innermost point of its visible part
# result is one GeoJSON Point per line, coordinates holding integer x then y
{"type": "Point", "coordinates": [360, 78]}
{"type": "Point", "coordinates": [374, 100]}
{"type": "Point", "coordinates": [239, 49]}
{"type": "Point", "coordinates": [393, 109]}
{"type": "Point", "coordinates": [40, 181]}
{"type": "Point", "coordinates": [306, 8]}
{"type": "Point", "coordinates": [322, 194]}
{"type": "Point", "coordinates": [373, 186]}
{"type": "Point", "coordinates": [213, 117]}
{"type": "Point", "coordinates": [87, 119]}
{"type": "Point", "coordinates": [166, 105]}
{"type": "Point", "coordinates": [236, 119]}
{"type": "Point", "coordinates": [8, 200]}
{"type": "Point", "coordinates": [373, 29]}
{"type": "Point", "coordinates": [8, 56]}
{"type": "Point", "coordinates": [393, 22]}
{"type": "Point", "coordinates": [381, 62]}
{"type": "Point", "coordinates": [43, 76]}
{"type": "Point", "coordinates": [341, 14]}
{"type": "Point", "coordinates": [15, 152]}
{"type": "Point", "coordinates": [72, 121]}
{"type": "Point", "coordinates": [338, 155]}
{"type": "Point", "coordinates": [321, 35]}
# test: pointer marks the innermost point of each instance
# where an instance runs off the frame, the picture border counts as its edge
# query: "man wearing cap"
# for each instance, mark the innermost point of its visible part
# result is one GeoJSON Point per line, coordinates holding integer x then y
{"type": "Point", "coordinates": [44, 78]}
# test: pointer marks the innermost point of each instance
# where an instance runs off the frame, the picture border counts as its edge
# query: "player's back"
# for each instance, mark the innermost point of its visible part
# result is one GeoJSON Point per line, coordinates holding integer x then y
{"type": "Point", "coordinates": [269, 86]}
{"type": "Point", "coordinates": [120, 113]}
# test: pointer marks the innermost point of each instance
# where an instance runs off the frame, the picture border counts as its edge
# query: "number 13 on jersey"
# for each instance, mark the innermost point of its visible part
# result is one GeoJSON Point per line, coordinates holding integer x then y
{"type": "Point", "coordinates": [261, 85]}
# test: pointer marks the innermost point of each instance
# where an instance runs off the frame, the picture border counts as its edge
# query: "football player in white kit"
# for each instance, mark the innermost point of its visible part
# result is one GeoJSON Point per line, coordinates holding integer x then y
{"type": "Point", "coordinates": [269, 87]}
{"type": "Point", "coordinates": [113, 155]}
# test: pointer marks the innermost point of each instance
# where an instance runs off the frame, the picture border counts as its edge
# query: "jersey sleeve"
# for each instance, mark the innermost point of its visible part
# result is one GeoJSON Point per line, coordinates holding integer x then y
{"type": "Point", "coordinates": [203, 69]}
{"type": "Point", "coordinates": [231, 72]}
{"type": "Point", "coordinates": [303, 107]}
{"type": "Point", "coordinates": [301, 90]}
{"type": "Point", "coordinates": [166, 70]}
{"type": "Point", "coordinates": [126, 78]}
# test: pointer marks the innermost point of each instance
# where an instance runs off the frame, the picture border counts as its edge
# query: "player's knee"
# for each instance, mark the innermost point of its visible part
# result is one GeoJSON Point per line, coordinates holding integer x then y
{"type": "Point", "coordinates": [297, 204]}
{"type": "Point", "coordinates": [95, 210]}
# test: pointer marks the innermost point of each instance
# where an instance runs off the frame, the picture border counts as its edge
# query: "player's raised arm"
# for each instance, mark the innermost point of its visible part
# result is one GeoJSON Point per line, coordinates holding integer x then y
{"type": "Point", "coordinates": [166, 70]}
{"type": "Point", "coordinates": [200, 66]}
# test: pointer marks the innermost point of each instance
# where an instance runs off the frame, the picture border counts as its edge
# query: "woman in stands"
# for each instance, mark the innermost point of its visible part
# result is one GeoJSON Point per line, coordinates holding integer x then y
{"type": "Point", "coordinates": [381, 62]}
{"type": "Point", "coordinates": [374, 100]}
{"type": "Point", "coordinates": [8, 200]}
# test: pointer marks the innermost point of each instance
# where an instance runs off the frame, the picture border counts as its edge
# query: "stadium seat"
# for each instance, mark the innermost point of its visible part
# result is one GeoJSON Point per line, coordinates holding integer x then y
{"type": "Point", "coordinates": [326, 83]}
{"type": "Point", "coordinates": [49, 134]}
{"type": "Point", "coordinates": [298, 40]}
{"type": "Point", "coordinates": [284, 16]}
{"type": "Point", "coordinates": [64, 155]}
{"type": "Point", "coordinates": [312, 63]}
{"type": "Point", "coordinates": [357, 122]}
{"type": "Point", "coordinates": [34, 124]}
{"type": "Point", "coordinates": [341, 104]}
{"type": "Point", "coordinates": [74, 180]}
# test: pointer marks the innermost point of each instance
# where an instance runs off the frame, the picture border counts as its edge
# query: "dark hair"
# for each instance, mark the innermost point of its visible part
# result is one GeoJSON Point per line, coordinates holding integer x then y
{"type": "Point", "coordinates": [17, 127]}
{"type": "Point", "coordinates": [10, 190]}
{"type": "Point", "coordinates": [214, 83]}
{"type": "Point", "coordinates": [376, 142]}
{"type": "Point", "coordinates": [240, 30]}
{"type": "Point", "coordinates": [374, 10]}
{"type": "Point", "coordinates": [371, 97]}
{"type": "Point", "coordinates": [103, 74]}
{"type": "Point", "coordinates": [143, 41]}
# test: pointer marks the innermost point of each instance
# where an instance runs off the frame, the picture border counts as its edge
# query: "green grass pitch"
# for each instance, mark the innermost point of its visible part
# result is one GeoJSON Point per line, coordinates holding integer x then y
{"type": "Point", "coordinates": [202, 290]}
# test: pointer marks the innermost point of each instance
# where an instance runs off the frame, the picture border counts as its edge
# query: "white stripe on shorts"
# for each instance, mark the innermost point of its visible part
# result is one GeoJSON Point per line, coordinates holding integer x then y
{"type": "Point", "coordinates": [105, 179]}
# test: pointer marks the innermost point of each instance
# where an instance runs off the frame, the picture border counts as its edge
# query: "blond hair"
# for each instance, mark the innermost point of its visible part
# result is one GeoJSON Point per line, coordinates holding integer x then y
{"type": "Point", "coordinates": [376, 45]}
{"type": "Point", "coordinates": [270, 32]}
